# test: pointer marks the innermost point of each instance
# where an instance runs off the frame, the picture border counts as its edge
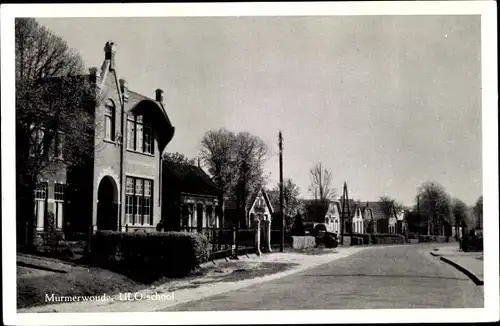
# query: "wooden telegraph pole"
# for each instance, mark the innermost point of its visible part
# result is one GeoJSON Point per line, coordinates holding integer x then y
{"type": "Point", "coordinates": [345, 207]}
{"type": "Point", "coordinates": [282, 238]}
{"type": "Point", "coordinates": [419, 218]}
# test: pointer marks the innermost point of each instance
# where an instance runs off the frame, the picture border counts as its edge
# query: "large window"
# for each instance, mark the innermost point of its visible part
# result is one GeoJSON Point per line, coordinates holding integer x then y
{"type": "Point", "coordinates": [139, 134]}
{"type": "Point", "coordinates": [138, 201]}
{"type": "Point", "coordinates": [109, 121]}
{"type": "Point", "coordinates": [59, 197]}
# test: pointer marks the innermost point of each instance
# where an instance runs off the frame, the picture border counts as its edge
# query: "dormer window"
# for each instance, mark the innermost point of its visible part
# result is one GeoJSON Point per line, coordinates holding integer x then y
{"type": "Point", "coordinates": [109, 121]}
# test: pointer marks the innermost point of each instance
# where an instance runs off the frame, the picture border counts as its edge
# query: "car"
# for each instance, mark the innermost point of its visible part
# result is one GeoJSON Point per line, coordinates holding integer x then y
{"type": "Point", "coordinates": [319, 231]}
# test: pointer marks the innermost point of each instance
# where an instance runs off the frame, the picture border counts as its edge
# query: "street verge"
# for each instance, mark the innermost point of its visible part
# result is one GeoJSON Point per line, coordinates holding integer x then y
{"type": "Point", "coordinates": [182, 291]}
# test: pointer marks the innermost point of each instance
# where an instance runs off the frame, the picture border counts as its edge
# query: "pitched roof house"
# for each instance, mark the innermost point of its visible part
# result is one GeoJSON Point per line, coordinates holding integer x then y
{"type": "Point", "coordinates": [190, 198]}
{"type": "Point", "coordinates": [258, 205]}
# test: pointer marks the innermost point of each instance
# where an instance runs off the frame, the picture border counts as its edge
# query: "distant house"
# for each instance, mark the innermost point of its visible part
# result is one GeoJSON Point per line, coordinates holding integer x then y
{"type": "Point", "coordinates": [402, 223]}
{"type": "Point", "coordinates": [358, 220]}
{"type": "Point", "coordinates": [259, 206]}
{"type": "Point", "coordinates": [395, 223]}
{"type": "Point", "coordinates": [368, 226]}
{"type": "Point", "coordinates": [392, 221]}
{"type": "Point", "coordinates": [189, 198]}
{"type": "Point", "coordinates": [333, 216]}
{"type": "Point", "coordinates": [380, 222]}
{"type": "Point", "coordinates": [326, 213]}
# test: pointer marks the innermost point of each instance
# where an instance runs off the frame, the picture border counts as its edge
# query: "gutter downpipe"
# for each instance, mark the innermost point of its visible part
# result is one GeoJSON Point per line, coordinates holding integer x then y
{"type": "Point", "coordinates": [122, 114]}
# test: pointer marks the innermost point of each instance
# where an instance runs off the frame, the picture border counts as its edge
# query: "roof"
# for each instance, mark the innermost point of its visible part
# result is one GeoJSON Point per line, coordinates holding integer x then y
{"type": "Point", "coordinates": [156, 111]}
{"type": "Point", "coordinates": [189, 179]}
{"type": "Point", "coordinates": [377, 211]}
{"type": "Point", "coordinates": [231, 203]}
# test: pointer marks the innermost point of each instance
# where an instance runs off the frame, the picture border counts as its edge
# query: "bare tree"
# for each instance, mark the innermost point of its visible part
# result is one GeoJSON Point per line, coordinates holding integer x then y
{"type": "Point", "coordinates": [436, 204]}
{"type": "Point", "coordinates": [321, 183]}
{"type": "Point", "coordinates": [55, 107]}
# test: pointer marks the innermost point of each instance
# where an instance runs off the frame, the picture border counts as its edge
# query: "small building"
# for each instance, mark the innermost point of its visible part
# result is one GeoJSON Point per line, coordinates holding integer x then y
{"type": "Point", "coordinates": [358, 220]}
{"type": "Point", "coordinates": [258, 206]}
{"type": "Point", "coordinates": [380, 223]}
{"type": "Point", "coordinates": [190, 198]}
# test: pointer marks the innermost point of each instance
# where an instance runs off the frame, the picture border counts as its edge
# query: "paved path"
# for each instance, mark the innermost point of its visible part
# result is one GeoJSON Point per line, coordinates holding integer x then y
{"type": "Point", "coordinates": [470, 261]}
{"type": "Point", "coordinates": [388, 278]}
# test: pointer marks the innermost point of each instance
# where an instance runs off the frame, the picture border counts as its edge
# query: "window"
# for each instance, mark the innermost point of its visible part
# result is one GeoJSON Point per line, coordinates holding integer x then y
{"type": "Point", "coordinates": [140, 134]}
{"type": "Point", "coordinates": [109, 121]}
{"type": "Point", "coordinates": [138, 201]}
{"type": "Point", "coordinates": [41, 203]}
{"type": "Point", "coordinates": [37, 141]}
{"type": "Point", "coordinates": [129, 201]}
{"type": "Point", "coordinates": [59, 197]}
{"type": "Point", "coordinates": [148, 139]}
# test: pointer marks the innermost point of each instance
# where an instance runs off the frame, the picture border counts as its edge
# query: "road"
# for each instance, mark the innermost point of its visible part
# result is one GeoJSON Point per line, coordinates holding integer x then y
{"type": "Point", "coordinates": [375, 278]}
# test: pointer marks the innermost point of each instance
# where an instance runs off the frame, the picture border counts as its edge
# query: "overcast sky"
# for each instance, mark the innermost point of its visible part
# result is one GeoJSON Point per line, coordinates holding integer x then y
{"type": "Point", "coordinates": [385, 102]}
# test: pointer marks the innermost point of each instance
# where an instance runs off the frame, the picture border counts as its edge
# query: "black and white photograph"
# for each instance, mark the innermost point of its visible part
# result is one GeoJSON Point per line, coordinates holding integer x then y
{"type": "Point", "coordinates": [252, 163]}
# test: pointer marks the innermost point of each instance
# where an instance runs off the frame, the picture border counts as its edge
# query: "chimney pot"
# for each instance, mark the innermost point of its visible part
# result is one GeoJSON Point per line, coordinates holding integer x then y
{"type": "Point", "coordinates": [93, 75]}
{"type": "Point", "coordinates": [124, 89]}
{"type": "Point", "coordinates": [109, 53]}
{"type": "Point", "coordinates": [159, 95]}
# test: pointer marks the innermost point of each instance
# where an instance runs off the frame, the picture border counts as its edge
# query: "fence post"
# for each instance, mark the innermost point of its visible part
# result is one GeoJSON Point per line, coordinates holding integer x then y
{"type": "Point", "coordinates": [235, 243]}
{"type": "Point", "coordinates": [256, 227]}
{"type": "Point", "coordinates": [267, 236]}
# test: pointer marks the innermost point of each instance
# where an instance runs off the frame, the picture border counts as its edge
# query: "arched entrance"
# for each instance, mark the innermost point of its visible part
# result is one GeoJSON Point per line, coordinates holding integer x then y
{"type": "Point", "coordinates": [107, 205]}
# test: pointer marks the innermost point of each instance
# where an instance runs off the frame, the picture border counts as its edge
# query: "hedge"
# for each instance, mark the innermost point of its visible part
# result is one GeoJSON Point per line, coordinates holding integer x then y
{"type": "Point", "coordinates": [376, 238]}
{"type": "Point", "coordinates": [173, 254]}
{"type": "Point", "coordinates": [434, 238]}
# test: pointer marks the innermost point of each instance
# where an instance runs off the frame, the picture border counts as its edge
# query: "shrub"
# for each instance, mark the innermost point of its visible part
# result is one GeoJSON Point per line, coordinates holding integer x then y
{"type": "Point", "coordinates": [434, 238]}
{"type": "Point", "coordinates": [164, 253]}
{"type": "Point", "coordinates": [298, 228]}
{"type": "Point", "coordinates": [384, 238]}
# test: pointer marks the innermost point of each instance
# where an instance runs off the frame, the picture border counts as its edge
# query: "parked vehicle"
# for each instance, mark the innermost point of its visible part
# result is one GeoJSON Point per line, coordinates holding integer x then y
{"type": "Point", "coordinates": [319, 231]}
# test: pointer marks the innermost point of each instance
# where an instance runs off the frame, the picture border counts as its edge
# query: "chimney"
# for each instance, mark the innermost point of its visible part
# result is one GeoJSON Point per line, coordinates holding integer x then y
{"type": "Point", "coordinates": [109, 54]}
{"type": "Point", "coordinates": [124, 89]}
{"type": "Point", "coordinates": [94, 76]}
{"type": "Point", "coordinates": [159, 95]}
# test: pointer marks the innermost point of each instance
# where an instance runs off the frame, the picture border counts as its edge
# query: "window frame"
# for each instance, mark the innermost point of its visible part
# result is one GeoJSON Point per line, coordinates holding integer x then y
{"type": "Point", "coordinates": [59, 200]}
{"type": "Point", "coordinates": [141, 127]}
{"type": "Point", "coordinates": [41, 188]}
{"type": "Point", "coordinates": [135, 203]}
{"type": "Point", "coordinates": [110, 113]}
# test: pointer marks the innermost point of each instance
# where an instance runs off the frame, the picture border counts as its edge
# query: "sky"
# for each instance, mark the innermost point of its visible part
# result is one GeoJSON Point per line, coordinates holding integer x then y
{"type": "Point", "coordinates": [385, 102]}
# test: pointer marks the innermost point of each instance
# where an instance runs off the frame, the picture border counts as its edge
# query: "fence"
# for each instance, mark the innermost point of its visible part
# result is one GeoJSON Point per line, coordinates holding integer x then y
{"type": "Point", "coordinates": [224, 242]}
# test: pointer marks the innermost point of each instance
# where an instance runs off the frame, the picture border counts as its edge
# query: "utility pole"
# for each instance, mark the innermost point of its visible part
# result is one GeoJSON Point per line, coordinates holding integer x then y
{"type": "Point", "coordinates": [418, 216]}
{"type": "Point", "coordinates": [282, 240]}
{"type": "Point", "coordinates": [345, 207]}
